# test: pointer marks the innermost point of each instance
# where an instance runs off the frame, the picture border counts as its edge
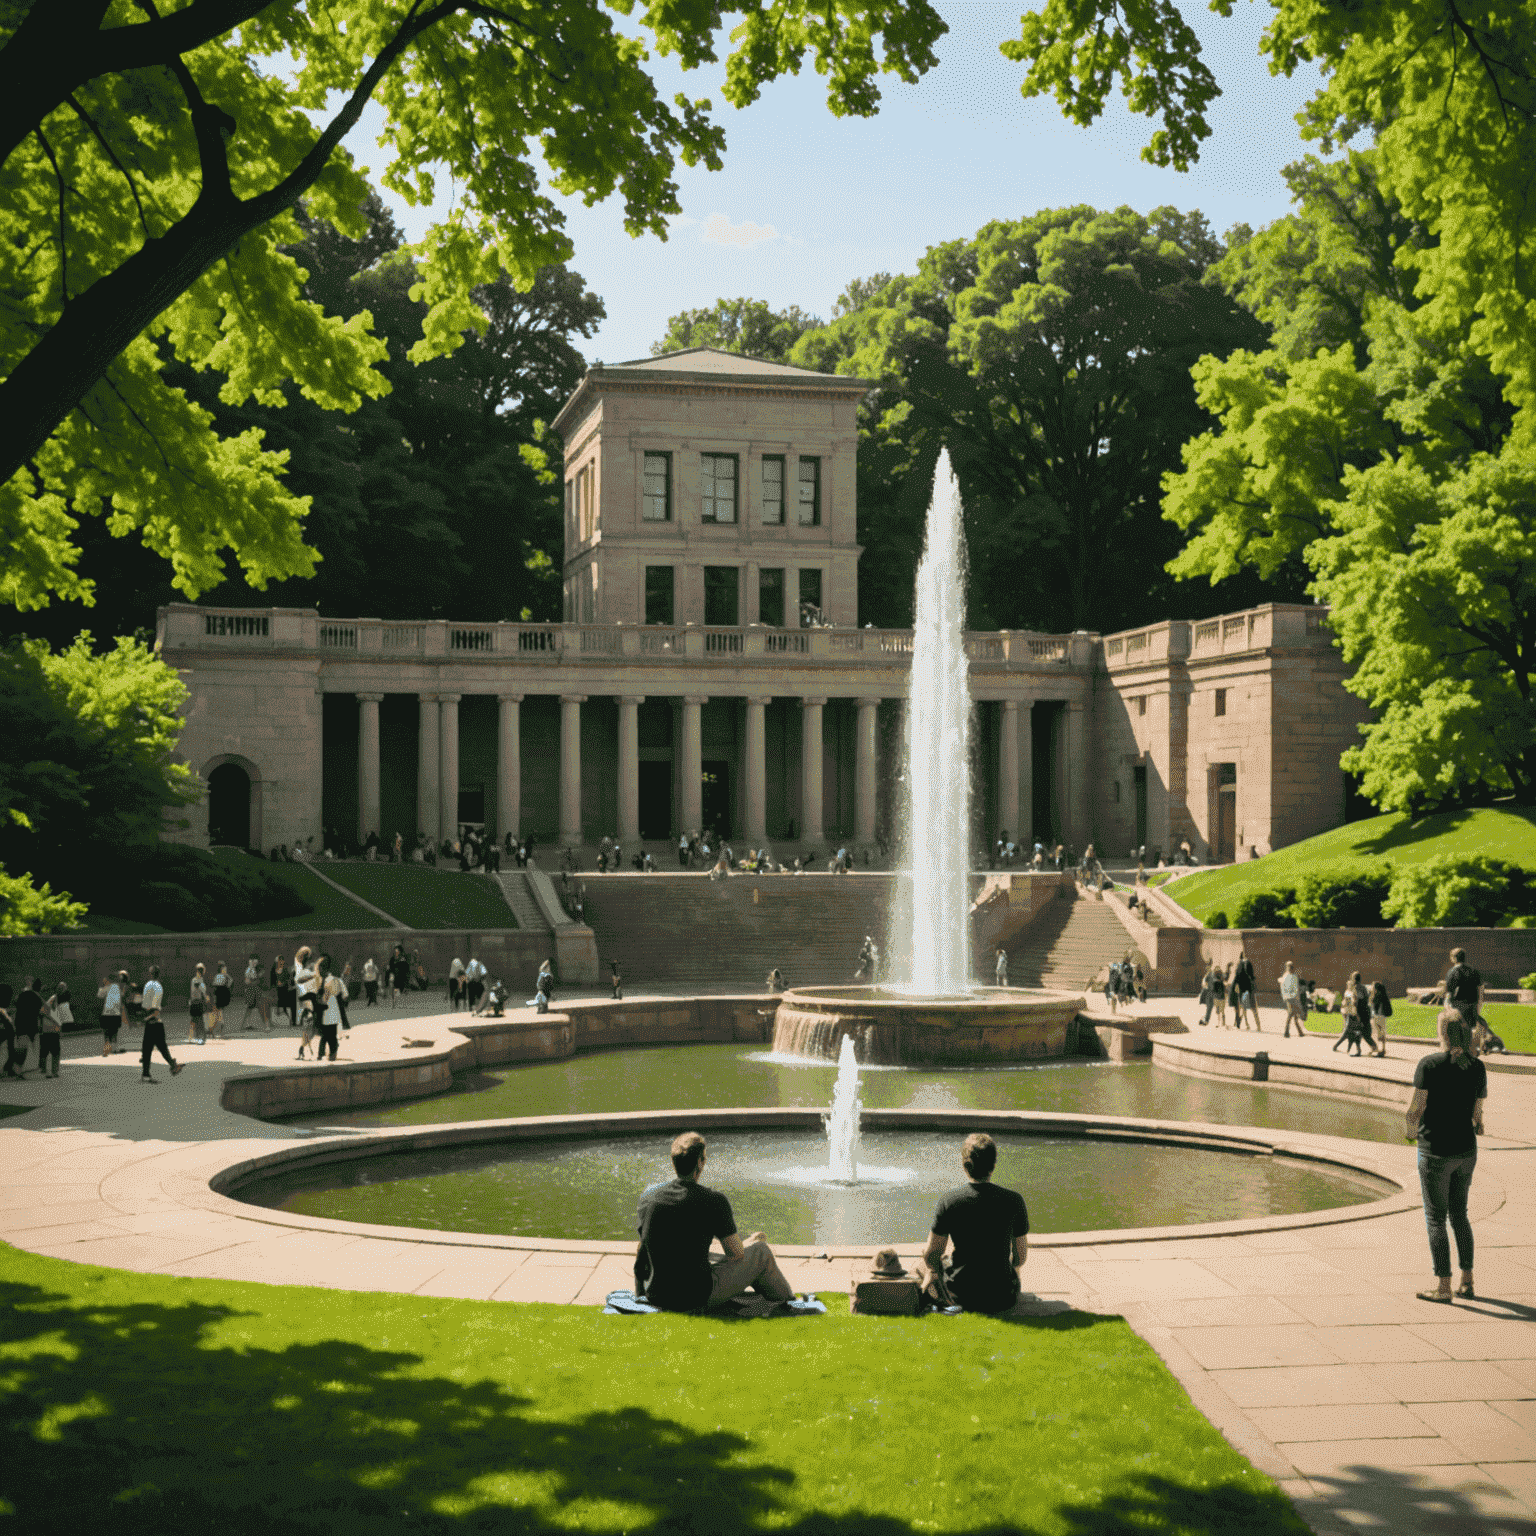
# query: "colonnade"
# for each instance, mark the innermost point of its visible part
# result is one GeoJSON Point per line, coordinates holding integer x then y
{"type": "Point", "coordinates": [437, 778]}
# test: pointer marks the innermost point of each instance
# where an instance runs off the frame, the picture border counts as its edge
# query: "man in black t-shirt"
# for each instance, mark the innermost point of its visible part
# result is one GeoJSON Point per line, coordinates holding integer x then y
{"type": "Point", "coordinates": [677, 1222]}
{"type": "Point", "coordinates": [29, 1011]}
{"type": "Point", "coordinates": [1463, 988]}
{"type": "Point", "coordinates": [989, 1228]}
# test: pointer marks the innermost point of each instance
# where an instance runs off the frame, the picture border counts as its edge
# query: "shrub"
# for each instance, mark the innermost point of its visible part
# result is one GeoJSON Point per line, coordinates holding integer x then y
{"type": "Point", "coordinates": [1266, 909]}
{"type": "Point", "coordinates": [1217, 920]}
{"type": "Point", "coordinates": [188, 889]}
{"type": "Point", "coordinates": [1459, 891]}
{"type": "Point", "coordinates": [1342, 899]}
{"type": "Point", "coordinates": [1529, 982]}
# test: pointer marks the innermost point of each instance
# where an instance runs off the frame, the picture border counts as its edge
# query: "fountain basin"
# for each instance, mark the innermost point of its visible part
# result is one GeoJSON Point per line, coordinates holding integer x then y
{"type": "Point", "coordinates": [890, 1026]}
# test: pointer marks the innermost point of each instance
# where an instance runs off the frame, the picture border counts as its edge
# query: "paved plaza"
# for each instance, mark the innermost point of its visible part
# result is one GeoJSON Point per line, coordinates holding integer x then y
{"type": "Point", "coordinates": [1300, 1338]}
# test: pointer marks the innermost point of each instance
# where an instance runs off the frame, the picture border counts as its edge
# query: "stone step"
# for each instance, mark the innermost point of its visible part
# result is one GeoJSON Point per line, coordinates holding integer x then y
{"type": "Point", "coordinates": [1067, 946]}
{"type": "Point", "coordinates": [514, 886]}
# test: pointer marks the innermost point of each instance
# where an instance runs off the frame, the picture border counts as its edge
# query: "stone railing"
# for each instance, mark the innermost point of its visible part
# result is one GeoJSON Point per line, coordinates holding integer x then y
{"type": "Point", "coordinates": [1257, 629]}
{"type": "Point", "coordinates": [183, 627]}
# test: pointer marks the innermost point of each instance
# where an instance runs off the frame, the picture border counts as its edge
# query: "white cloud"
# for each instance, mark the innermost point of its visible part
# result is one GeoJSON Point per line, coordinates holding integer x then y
{"type": "Point", "coordinates": [718, 230]}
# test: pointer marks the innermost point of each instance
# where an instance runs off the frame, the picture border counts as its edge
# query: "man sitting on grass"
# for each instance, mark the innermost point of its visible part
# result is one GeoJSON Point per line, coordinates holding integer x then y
{"type": "Point", "coordinates": [673, 1269]}
{"type": "Point", "coordinates": [989, 1227]}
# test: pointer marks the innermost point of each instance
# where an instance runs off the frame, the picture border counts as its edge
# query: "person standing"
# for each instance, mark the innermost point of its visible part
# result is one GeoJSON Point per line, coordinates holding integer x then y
{"type": "Point", "coordinates": [1290, 995]}
{"type": "Point", "coordinates": [280, 978]}
{"type": "Point", "coordinates": [113, 1006]}
{"type": "Point", "coordinates": [29, 1011]}
{"type": "Point", "coordinates": [1445, 1118]}
{"type": "Point", "coordinates": [1000, 969]}
{"type": "Point", "coordinates": [1244, 986]}
{"type": "Point", "coordinates": [546, 981]}
{"type": "Point", "coordinates": [197, 1003]}
{"type": "Point", "coordinates": [253, 1000]}
{"type": "Point", "coordinates": [1464, 989]}
{"type": "Point", "coordinates": [1219, 993]}
{"type": "Point", "coordinates": [55, 1015]}
{"type": "Point", "coordinates": [154, 1027]}
{"type": "Point", "coordinates": [306, 986]}
{"type": "Point", "coordinates": [989, 1228]}
{"type": "Point", "coordinates": [1381, 1011]}
{"type": "Point", "coordinates": [223, 994]}
{"type": "Point", "coordinates": [474, 984]}
{"type": "Point", "coordinates": [344, 995]}
{"type": "Point", "coordinates": [1213, 991]}
{"type": "Point", "coordinates": [331, 988]}
{"type": "Point", "coordinates": [370, 982]}
{"type": "Point", "coordinates": [455, 983]}
{"type": "Point", "coordinates": [399, 974]}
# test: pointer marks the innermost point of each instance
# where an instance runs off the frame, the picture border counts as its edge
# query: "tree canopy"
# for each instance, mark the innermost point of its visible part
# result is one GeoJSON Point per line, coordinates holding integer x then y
{"type": "Point", "coordinates": [1052, 355]}
{"type": "Point", "coordinates": [747, 326]}
{"type": "Point", "coordinates": [151, 158]}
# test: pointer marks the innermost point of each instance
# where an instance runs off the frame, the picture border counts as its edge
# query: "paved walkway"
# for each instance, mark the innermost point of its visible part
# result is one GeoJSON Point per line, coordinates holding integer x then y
{"type": "Point", "coordinates": [1305, 1346]}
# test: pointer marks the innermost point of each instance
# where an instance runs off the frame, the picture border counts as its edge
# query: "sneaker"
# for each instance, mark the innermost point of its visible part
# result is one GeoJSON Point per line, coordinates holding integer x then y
{"type": "Point", "coordinates": [175, 1068]}
{"type": "Point", "coordinates": [146, 1078]}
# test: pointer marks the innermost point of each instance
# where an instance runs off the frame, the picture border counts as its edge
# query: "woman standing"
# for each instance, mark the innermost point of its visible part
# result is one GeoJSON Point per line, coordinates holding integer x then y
{"type": "Point", "coordinates": [1445, 1117]}
{"type": "Point", "coordinates": [1219, 992]}
{"type": "Point", "coordinates": [306, 985]}
{"type": "Point", "coordinates": [455, 983]}
{"type": "Point", "coordinates": [197, 1006]}
{"type": "Point", "coordinates": [1381, 1011]}
{"type": "Point", "coordinates": [330, 1002]}
{"type": "Point", "coordinates": [399, 974]}
{"type": "Point", "coordinates": [223, 992]}
{"type": "Point", "coordinates": [113, 1007]}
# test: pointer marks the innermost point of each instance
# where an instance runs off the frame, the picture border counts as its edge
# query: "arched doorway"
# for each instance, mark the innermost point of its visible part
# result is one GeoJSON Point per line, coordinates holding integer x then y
{"type": "Point", "coordinates": [229, 806]}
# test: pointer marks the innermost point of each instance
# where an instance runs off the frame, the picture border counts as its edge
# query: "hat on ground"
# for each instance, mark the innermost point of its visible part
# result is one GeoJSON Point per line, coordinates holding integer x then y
{"type": "Point", "coordinates": [887, 1265]}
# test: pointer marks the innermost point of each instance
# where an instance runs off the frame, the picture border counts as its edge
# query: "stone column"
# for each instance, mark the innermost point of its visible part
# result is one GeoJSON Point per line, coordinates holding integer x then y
{"type": "Point", "coordinates": [629, 768]}
{"type": "Point", "coordinates": [427, 768]}
{"type": "Point", "coordinates": [368, 765]}
{"type": "Point", "coordinates": [1026, 740]}
{"type": "Point", "coordinates": [691, 799]}
{"type": "Point", "coordinates": [755, 749]}
{"type": "Point", "coordinates": [448, 782]}
{"type": "Point", "coordinates": [1008, 771]}
{"type": "Point", "coordinates": [864, 775]}
{"type": "Point", "coordinates": [1076, 787]}
{"type": "Point", "coordinates": [810, 770]}
{"type": "Point", "coordinates": [570, 768]}
{"type": "Point", "coordinates": [509, 766]}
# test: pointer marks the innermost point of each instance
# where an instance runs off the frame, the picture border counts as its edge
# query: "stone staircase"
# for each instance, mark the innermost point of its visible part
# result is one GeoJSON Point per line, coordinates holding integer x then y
{"type": "Point", "coordinates": [514, 886]}
{"type": "Point", "coordinates": [686, 930]}
{"type": "Point", "coordinates": [1067, 945]}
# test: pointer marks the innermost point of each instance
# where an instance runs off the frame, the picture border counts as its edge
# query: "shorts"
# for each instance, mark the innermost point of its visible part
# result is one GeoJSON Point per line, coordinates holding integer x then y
{"type": "Point", "coordinates": [110, 1024]}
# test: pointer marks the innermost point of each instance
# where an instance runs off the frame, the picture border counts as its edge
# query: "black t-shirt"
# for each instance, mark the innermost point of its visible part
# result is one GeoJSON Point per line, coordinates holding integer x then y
{"type": "Point", "coordinates": [1461, 985]}
{"type": "Point", "coordinates": [1446, 1127]}
{"type": "Point", "coordinates": [1242, 977]}
{"type": "Point", "coordinates": [29, 1009]}
{"type": "Point", "coordinates": [677, 1222]}
{"type": "Point", "coordinates": [983, 1220]}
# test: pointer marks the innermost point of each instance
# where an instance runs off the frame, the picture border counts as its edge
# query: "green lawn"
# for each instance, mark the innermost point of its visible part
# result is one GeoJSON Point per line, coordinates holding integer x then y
{"type": "Point", "coordinates": [427, 898]}
{"type": "Point", "coordinates": [141, 1403]}
{"type": "Point", "coordinates": [1503, 834]}
{"type": "Point", "coordinates": [1513, 1023]}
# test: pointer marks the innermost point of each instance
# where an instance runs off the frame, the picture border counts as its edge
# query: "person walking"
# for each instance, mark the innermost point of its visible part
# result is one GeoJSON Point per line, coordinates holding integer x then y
{"type": "Point", "coordinates": [1355, 1007]}
{"type": "Point", "coordinates": [1290, 995]}
{"type": "Point", "coordinates": [29, 1010]}
{"type": "Point", "coordinates": [306, 987]}
{"type": "Point", "coordinates": [455, 983]}
{"type": "Point", "coordinates": [399, 974]}
{"type": "Point", "coordinates": [50, 1025]}
{"type": "Point", "coordinates": [153, 1003]}
{"type": "Point", "coordinates": [197, 1004]}
{"type": "Point", "coordinates": [474, 984]}
{"type": "Point", "coordinates": [1212, 990]}
{"type": "Point", "coordinates": [1464, 989]}
{"type": "Point", "coordinates": [1445, 1118]}
{"type": "Point", "coordinates": [344, 996]}
{"type": "Point", "coordinates": [1219, 992]}
{"type": "Point", "coordinates": [251, 981]}
{"type": "Point", "coordinates": [1381, 1011]}
{"type": "Point", "coordinates": [114, 1004]}
{"type": "Point", "coordinates": [1000, 969]}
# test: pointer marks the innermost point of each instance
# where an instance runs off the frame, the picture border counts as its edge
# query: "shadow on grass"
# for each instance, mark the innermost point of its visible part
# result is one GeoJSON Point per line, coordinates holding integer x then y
{"type": "Point", "coordinates": [129, 1418]}
{"type": "Point", "coordinates": [1406, 833]}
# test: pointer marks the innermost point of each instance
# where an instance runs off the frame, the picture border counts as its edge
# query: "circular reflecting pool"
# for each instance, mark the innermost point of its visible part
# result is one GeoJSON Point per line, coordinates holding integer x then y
{"type": "Point", "coordinates": [776, 1181]}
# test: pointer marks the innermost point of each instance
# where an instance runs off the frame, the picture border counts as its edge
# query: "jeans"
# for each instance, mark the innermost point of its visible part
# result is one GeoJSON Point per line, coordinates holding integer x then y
{"type": "Point", "coordinates": [48, 1047]}
{"type": "Point", "coordinates": [1445, 1182]}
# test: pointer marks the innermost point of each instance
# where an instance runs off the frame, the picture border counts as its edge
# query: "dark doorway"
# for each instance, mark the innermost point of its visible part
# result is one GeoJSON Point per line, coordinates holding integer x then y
{"type": "Point", "coordinates": [717, 796]}
{"type": "Point", "coordinates": [1047, 823]}
{"type": "Point", "coordinates": [655, 800]}
{"type": "Point", "coordinates": [1225, 850]}
{"type": "Point", "coordinates": [1139, 786]}
{"type": "Point", "coordinates": [472, 809]}
{"type": "Point", "coordinates": [229, 806]}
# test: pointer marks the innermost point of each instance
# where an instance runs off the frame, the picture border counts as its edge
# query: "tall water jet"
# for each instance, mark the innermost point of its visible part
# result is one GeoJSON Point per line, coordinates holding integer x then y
{"type": "Point", "coordinates": [843, 1122]}
{"type": "Point", "coordinates": [938, 751]}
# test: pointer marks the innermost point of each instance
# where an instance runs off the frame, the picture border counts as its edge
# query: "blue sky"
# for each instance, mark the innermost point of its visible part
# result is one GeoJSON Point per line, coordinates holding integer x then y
{"type": "Point", "coordinates": [806, 201]}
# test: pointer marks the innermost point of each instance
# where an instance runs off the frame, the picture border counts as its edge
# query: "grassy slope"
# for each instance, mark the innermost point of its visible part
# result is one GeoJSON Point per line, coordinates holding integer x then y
{"type": "Point", "coordinates": [1513, 1023]}
{"type": "Point", "coordinates": [149, 1403]}
{"type": "Point", "coordinates": [427, 898]}
{"type": "Point", "coordinates": [1504, 834]}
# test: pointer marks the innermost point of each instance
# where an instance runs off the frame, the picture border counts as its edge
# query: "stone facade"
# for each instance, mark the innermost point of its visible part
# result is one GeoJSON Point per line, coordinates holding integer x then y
{"type": "Point", "coordinates": [704, 486]}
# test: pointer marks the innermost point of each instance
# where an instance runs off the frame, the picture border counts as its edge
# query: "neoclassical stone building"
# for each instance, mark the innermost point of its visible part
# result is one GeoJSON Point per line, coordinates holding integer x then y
{"type": "Point", "coordinates": [710, 673]}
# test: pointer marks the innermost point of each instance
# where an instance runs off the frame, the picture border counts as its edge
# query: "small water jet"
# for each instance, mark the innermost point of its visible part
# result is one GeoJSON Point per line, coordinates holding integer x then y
{"type": "Point", "coordinates": [843, 1121]}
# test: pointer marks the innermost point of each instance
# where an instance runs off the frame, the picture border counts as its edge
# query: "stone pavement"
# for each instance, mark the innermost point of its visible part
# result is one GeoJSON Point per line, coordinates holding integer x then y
{"type": "Point", "coordinates": [1303, 1343]}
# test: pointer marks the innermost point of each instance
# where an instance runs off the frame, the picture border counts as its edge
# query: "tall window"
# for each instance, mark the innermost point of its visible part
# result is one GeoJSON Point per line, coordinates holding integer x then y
{"type": "Point", "coordinates": [810, 598]}
{"type": "Point", "coordinates": [773, 490]}
{"type": "Point", "coordinates": [722, 585]}
{"type": "Point", "coordinates": [658, 594]}
{"type": "Point", "coordinates": [770, 597]}
{"type": "Point", "coordinates": [719, 484]}
{"type": "Point", "coordinates": [657, 505]}
{"type": "Point", "coordinates": [810, 493]}
{"type": "Point", "coordinates": [586, 503]}
{"type": "Point", "coordinates": [1221, 701]}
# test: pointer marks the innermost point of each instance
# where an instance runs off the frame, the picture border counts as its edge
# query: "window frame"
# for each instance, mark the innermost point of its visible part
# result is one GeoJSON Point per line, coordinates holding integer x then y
{"type": "Point", "coordinates": [782, 574]}
{"type": "Point", "coordinates": [814, 460]}
{"type": "Point", "coordinates": [705, 498]}
{"type": "Point", "coordinates": [670, 621]}
{"type": "Point", "coordinates": [802, 601]}
{"type": "Point", "coordinates": [735, 623]}
{"type": "Point", "coordinates": [762, 480]}
{"type": "Point", "coordinates": [665, 455]}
